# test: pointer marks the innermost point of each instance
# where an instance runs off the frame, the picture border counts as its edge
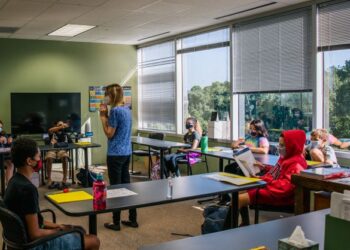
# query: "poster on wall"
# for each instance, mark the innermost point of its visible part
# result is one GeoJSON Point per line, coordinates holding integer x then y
{"type": "Point", "coordinates": [97, 93]}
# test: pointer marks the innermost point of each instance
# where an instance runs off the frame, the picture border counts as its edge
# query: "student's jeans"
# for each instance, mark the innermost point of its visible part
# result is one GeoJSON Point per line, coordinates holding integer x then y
{"type": "Point", "coordinates": [171, 163]}
{"type": "Point", "coordinates": [118, 172]}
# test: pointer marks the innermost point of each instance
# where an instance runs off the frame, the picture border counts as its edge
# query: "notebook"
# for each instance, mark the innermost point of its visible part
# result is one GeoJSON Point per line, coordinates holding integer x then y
{"type": "Point", "coordinates": [232, 178]}
{"type": "Point", "coordinates": [70, 197]}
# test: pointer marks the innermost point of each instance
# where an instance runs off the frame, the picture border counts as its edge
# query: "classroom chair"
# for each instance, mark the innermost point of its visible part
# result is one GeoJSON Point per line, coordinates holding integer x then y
{"type": "Point", "coordinates": [189, 166]}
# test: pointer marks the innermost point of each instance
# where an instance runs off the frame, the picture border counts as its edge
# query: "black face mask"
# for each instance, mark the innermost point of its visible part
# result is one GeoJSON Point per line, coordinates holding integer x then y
{"type": "Point", "coordinates": [253, 133]}
{"type": "Point", "coordinates": [188, 125]}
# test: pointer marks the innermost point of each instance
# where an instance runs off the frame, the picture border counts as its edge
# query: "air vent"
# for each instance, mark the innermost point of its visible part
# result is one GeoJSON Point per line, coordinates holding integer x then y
{"type": "Point", "coordinates": [8, 30]}
{"type": "Point", "coordinates": [154, 36]}
{"type": "Point", "coordinates": [242, 11]}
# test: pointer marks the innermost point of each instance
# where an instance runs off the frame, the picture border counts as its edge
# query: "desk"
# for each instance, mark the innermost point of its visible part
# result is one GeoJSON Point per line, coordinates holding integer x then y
{"type": "Point", "coordinates": [266, 234]}
{"type": "Point", "coordinates": [304, 185]}
{"type": "Point", "coordinates": [158, 144]}
{"type": "Point", "coordinates": [151, 193]}
{"type": "Point", "coordinates": [3, 152]}
{"type": "Point", "coordinates": [70, 147]}
{"type": "Point", "coordinates": [227, 154]}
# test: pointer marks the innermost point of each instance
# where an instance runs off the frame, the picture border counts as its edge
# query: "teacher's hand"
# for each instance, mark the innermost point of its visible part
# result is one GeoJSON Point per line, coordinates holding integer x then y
{"type": "Point", "coordinates": [103, 110]}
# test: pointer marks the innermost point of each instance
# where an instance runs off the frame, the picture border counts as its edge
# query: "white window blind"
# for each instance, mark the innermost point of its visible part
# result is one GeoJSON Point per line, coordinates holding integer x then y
{"type": "Point", "coordinates": [156, 82]}
{"type": "Point", "coordinates": [273, 54]}
{"type": "Point", "coordinates": [334, 24]}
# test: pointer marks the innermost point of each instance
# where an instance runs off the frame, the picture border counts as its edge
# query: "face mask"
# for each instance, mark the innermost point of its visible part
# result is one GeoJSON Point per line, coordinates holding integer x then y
{"type": "Point", "coordinates": [0, 130]}
{"type": "Point", "coordinates": [253, 133]}
{"type": "Point", "coordinates": [315, 144]}
{"type": "Point", "coordinates": [282, 151]}
{"type": "Point", "coordinates": [188, 125]}
{"type": "Point", "coordinates": [37, 166]}
{"type": "Point", "coordinates": [106, 100]}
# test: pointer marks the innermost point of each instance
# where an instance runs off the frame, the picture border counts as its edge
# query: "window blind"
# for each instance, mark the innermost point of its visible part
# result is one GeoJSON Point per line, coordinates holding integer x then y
{"type": "Point", "coordinates": [156, 82]}
{"type": "Point", "coordinates": [273, 54]}
{"type": "Point", "coordinates": [334, 24]}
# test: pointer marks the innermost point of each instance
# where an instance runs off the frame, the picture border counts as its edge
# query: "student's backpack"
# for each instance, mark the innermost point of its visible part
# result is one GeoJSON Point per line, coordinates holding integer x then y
{"type": "Point", "coordinates": [81, 176]}
{"type": "Point", "coordinates": [214, 218]}
{"type": "Point", "coordinates": [155, 170]}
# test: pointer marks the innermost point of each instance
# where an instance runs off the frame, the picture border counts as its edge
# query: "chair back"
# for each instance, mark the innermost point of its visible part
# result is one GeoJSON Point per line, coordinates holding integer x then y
{"type": "Point", "coordinates": [273, 150]}
{"type": "Point", "coordinates": [157, 136]}
{"type": "Point", "coordinates": [13, 228]}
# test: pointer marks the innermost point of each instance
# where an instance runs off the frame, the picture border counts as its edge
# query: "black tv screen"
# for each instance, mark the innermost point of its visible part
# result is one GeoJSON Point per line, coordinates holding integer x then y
{"type": "Point", "coordinates": [35, 113]}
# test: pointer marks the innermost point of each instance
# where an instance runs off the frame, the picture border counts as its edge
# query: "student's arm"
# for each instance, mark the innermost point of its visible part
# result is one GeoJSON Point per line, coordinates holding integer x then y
{"type": "Point", "coordinates": [341, 144]}
{"type": "Point", "coordinates": [57, 128]}
{"type": "Point", "coordinates": [260, 150]}
{"type": "Point", "coordinates": [108, 130]}
{"type": "Point", "coordinates": [34, 231]}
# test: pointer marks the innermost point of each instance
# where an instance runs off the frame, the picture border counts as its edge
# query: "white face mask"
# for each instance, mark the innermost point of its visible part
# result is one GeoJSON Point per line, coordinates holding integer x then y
{"type": "Point", "coordinates": [107, 100]}
{"type": "Point", "coordinates": [315, 144]}
{"type": "Point", "coordinates": [282, 151]}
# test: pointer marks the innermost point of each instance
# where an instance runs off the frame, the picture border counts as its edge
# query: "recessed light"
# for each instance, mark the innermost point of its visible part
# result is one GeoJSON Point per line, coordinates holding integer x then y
{"type": "Point", "coordinates": [71, 30]}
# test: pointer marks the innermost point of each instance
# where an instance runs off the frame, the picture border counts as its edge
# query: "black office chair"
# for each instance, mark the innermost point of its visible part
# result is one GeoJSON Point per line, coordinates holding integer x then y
{"type": "Point", "coordinates": [15, 235]}
{"type": "Point", "coordinates": [189, 166]}
{"type": "Point", "coordinates": [147, 153]}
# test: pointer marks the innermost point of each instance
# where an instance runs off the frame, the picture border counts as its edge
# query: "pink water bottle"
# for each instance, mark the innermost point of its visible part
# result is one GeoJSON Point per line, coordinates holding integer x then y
{"type": "Point", "coordinates": [99, 192]}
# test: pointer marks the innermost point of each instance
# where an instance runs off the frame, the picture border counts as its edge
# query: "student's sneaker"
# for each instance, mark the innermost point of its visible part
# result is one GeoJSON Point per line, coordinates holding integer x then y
{"type": "Point", "coordinates": [112, 226]}
{"type": "Point", "coordinates": [129, 223]}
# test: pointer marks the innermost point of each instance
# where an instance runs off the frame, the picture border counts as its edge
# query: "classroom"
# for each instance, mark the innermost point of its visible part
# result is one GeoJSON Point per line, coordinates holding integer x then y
{"type": "Point", "coordinates": [174, 124]}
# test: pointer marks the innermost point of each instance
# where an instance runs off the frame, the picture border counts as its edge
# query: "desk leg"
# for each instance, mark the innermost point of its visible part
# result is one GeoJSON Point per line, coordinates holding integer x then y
{"type": "Point", "coordinates": [234, 210]}
{"type": "Point", "coordinates": [302, 200]}
{"type": "Point", "coordinates": [161, 158]}
{"type": "Point", "coordinates": [221, 165]}
{"type": "Point", "coordinates": [93, 224]}
{"type": "Point", "coordinates": [86, 162]}
{"type": "Point", "coordinates": [2, 172]}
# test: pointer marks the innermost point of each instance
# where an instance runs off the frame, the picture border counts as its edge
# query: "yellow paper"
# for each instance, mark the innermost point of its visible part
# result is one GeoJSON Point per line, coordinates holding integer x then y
{"type": "Point", "coordinates": [70, 196]}
{"type": "Point", "coordinates": [232, 178]}
{"type": "Point", "coordinates": [313, 163]}
{"type": "Point", "coordinates": [82, 143]}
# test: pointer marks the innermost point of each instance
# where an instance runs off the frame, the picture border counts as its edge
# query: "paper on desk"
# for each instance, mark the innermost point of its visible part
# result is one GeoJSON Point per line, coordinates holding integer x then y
{"type": "Point", "coordinates": [340, 205]}
{"type": "Point", "coordinates": [119, 192]}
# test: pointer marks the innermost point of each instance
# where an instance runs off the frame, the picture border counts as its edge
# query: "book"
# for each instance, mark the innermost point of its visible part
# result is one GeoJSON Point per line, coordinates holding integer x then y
{"type": "Point", "coordinates": [232, 178]}
{"type": "Point", "coordinates": [246, 161]}
{"type": "Point", "coordinates": [70, 196]}
{"type": "Point", "coordinates": [325, 173]}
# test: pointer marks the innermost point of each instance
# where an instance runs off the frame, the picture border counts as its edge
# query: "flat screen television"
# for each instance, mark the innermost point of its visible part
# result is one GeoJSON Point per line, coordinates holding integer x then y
{"type": "Point", "coordinates": [35, 113]}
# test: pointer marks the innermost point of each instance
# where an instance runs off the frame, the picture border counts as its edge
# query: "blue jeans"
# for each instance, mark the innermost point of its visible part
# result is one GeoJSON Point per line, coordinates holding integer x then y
{"type": "Point", "coordinates": [171, 162]}
{"type": "Point", "coordinates": [70, 241]}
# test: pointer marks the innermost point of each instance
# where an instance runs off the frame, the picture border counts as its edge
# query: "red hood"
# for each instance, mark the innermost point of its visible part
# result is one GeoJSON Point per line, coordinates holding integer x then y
{"type": "Point", "coordinates": [294, 141]}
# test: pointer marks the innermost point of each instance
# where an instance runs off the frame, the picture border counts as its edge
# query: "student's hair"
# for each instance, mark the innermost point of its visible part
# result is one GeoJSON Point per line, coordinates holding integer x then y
{"type": "Point", "coordinates": [1, 123]}
{"type": "Point", "coordinates": [259, 127]}
{"type": "Point", "coordinates": [115, 92]}
{"type": "Point", "coordinates": [197, 125]}
{"type": "Point", "coordinates": [21, 150]}
{"type": "Point", "coordinates": [320, 133]}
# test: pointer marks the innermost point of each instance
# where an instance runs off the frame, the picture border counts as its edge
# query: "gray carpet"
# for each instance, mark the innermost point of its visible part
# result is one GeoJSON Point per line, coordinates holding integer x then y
{"type": "Point", "coordinates": [156, 224]}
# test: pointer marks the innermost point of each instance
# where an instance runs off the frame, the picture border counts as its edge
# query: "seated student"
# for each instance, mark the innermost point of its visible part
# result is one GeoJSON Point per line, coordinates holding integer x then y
{"type": "Point", "coordinates": [57, 135]}
{"type": "Point", "coordinates": [256, 140]}
{"type": "Point", "coordinates": [332, 140]}
{"type": "Point", "coordinates": [6, 141]}
{"type": "Point", "coordinates": [193, 137]}
{"type": "Point", "coordinates": [22, 198]}
{"type": "Point", "coordinates": [319, 149]}
{"type": "Point", "coordinates": [279, 190]}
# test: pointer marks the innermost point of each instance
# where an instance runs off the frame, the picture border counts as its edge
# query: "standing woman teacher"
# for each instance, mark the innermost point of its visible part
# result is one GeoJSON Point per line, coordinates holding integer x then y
{"type": "Point", "coordinates": [117, 128]}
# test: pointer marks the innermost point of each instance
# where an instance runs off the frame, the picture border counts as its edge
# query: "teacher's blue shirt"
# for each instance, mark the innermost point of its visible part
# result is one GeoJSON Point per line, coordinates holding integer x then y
{"type": "Point", "coordinates": [120, 143]}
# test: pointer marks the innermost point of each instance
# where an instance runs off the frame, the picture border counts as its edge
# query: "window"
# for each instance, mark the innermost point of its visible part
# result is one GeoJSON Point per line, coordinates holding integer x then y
{"type": "Point", "coordinates": [205, 60]}
{"type": "Point", "coordinates": [156, 85]}
{"type": "Point", "coordinates": [278, 111]}
{"type": "Point", "coordinates": [334, 45]}
{"type": "Point", "coordinates": [272, 76]}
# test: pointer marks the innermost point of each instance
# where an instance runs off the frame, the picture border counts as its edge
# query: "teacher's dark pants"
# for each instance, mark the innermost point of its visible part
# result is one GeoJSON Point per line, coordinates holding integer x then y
{"type": "Point", "coordinates": [118, 173]}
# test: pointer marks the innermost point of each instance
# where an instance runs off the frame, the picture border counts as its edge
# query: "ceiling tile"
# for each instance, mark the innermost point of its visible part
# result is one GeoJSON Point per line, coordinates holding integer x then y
{"type": "Point", "coordinates": [128, 4]}
{"type": "Point", "coordinates": [13, 22]}
{"type": "Point", "coordinates": [40, 28]}
{"type": "Point", "coordinates": [63, 12]}
{"type": "Point", "coordinates": [84, 2]}
{"type": "Point", "coordinates": [165, 8]}
{"type": "Point", "coordinates": [22, 9]}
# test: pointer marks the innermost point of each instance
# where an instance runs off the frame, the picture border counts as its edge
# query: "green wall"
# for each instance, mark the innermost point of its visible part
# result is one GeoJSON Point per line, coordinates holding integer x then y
{"type": "Point", "coordinates": [54, 66]}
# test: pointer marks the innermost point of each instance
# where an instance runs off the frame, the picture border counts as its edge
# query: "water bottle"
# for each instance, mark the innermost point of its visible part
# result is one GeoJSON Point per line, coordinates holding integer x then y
{"type": "Point", "coordinates": [170, 187]}
{"type": "Point", "coordinates": [204, 142]}
{"type": "Point", "coordinates": [99, 193]}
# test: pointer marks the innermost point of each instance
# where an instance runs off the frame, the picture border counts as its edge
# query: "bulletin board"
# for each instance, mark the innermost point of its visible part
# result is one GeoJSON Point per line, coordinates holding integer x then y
{"type": "Point", "coordinates": [97, 94]}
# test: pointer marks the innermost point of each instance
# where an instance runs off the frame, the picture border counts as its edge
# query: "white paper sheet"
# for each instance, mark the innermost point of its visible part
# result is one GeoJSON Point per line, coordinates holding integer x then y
{"type": "Point", "coordinates": [119, 192]}
{"type": "Point", "coordinates": [246, 162]}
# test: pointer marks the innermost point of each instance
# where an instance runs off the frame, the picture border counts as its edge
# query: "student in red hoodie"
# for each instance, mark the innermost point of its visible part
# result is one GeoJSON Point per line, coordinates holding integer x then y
{"type": "Point", "coordinates": [279, 190]}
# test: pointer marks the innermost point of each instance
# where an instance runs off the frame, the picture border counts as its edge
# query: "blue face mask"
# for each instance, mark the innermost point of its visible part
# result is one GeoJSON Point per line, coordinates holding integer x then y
{"type": "Point", "coordinates": [0, 130]}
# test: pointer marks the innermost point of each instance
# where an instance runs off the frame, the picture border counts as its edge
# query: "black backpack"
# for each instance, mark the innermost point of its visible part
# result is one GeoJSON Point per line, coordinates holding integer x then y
{"type": "Point", "coordinates": [81, 176]}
